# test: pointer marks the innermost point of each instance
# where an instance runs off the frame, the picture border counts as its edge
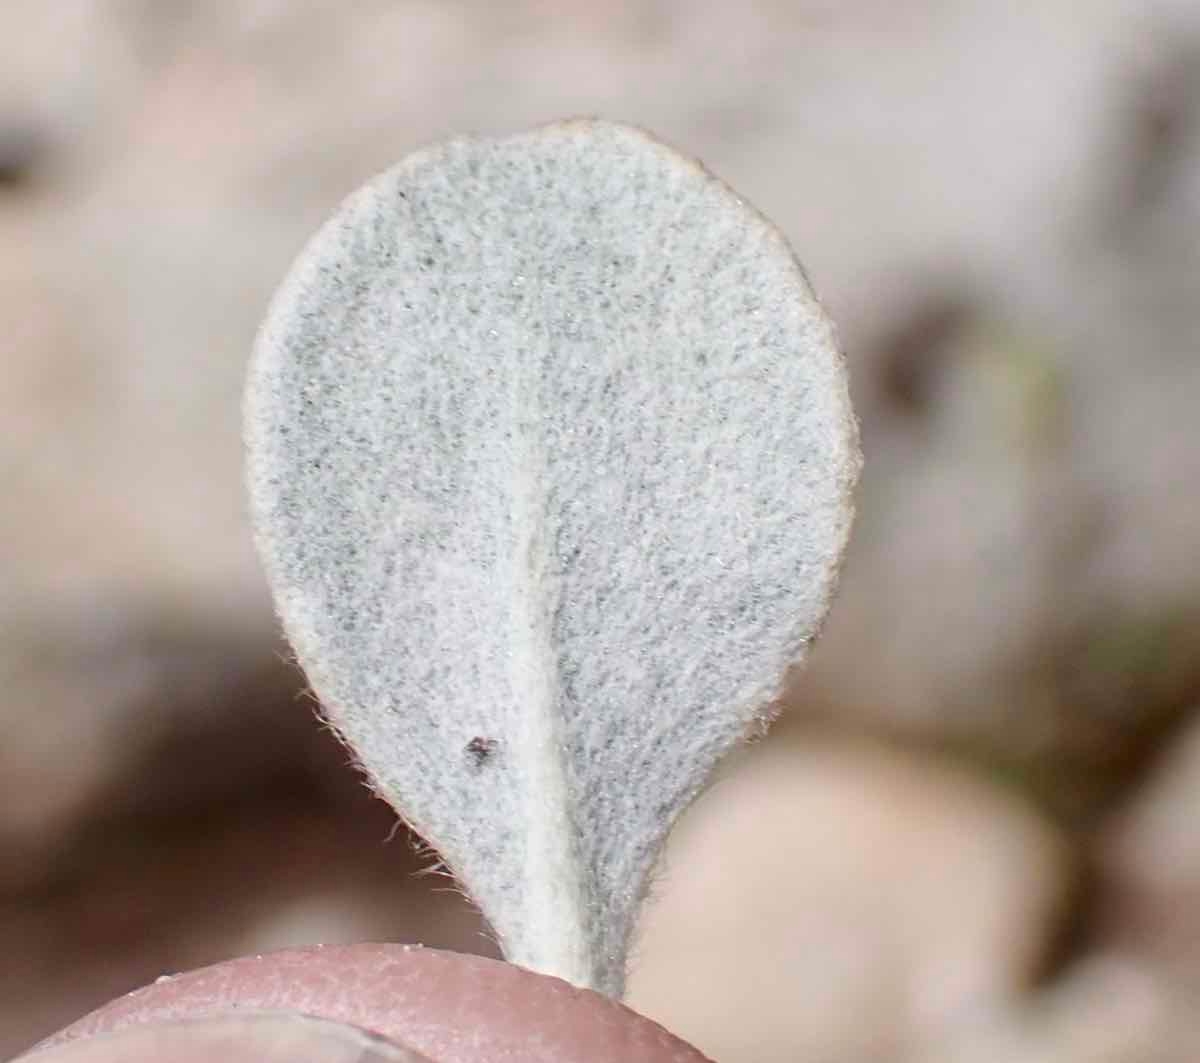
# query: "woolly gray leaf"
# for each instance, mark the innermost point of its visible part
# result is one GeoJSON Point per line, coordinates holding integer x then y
{"type": "Point", "coordinates": [551, 454]}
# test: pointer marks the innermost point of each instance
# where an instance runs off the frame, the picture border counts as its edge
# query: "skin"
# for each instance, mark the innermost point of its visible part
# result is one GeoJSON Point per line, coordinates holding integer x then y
{"type": "Point", "coordinates": [361, 1004]}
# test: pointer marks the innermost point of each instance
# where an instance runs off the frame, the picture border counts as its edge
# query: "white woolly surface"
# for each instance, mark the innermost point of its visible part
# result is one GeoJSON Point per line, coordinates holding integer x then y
{"type": "Point", "coordinates": [550, 456]}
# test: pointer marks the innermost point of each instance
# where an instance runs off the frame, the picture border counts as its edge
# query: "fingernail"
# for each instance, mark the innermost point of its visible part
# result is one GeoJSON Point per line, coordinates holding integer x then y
{"type": "Point", "coordinates": [263, 1037]}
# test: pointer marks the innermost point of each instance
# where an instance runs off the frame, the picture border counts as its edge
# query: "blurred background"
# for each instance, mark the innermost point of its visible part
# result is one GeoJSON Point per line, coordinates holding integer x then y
{"type": "Point", "coordinates": [970, 835]}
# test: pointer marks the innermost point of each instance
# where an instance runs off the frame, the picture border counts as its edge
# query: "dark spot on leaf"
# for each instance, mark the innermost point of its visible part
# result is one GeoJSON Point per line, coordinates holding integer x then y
{"type": "Point", "coordinates": [480, 750]}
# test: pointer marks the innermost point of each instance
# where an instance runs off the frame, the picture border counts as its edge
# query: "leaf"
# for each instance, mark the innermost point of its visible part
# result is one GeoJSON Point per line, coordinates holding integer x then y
{"type": "Point", "coordinates": [550, 457]}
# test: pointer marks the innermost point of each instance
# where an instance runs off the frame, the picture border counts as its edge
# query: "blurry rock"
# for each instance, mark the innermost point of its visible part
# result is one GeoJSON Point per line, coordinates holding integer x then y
{"type": "Point", "coordinates": [114, 707]}
{"type": "Point", "coordinates": [172, 893]}
{"type": "Point", "coordinates": [831, 901]}
{"type": "Point", "coordinates": [21, 149]}
{"type": "Point", "coordinates": [1109, 1009]}
{"type": "Point", "coordinates": [1149, 867]}
{"type": "Point", "coordinates": [1021, 578]}
{"type": "Point", "coordinates": [70, 728]}
{"type": "Point", "coordinates": [66, 77]}
{"type": "Point", "coordinates": [966, 514]}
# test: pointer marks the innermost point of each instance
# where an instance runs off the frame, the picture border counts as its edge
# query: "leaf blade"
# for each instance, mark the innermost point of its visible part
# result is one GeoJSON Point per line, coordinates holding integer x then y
{"type": "Point", "coordinates": [519, 476]}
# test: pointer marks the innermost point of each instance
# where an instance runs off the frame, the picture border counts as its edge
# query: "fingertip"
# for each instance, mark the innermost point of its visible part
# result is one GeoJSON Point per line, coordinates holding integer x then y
{"type": "Point", "coordinates": [450, 1007]}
